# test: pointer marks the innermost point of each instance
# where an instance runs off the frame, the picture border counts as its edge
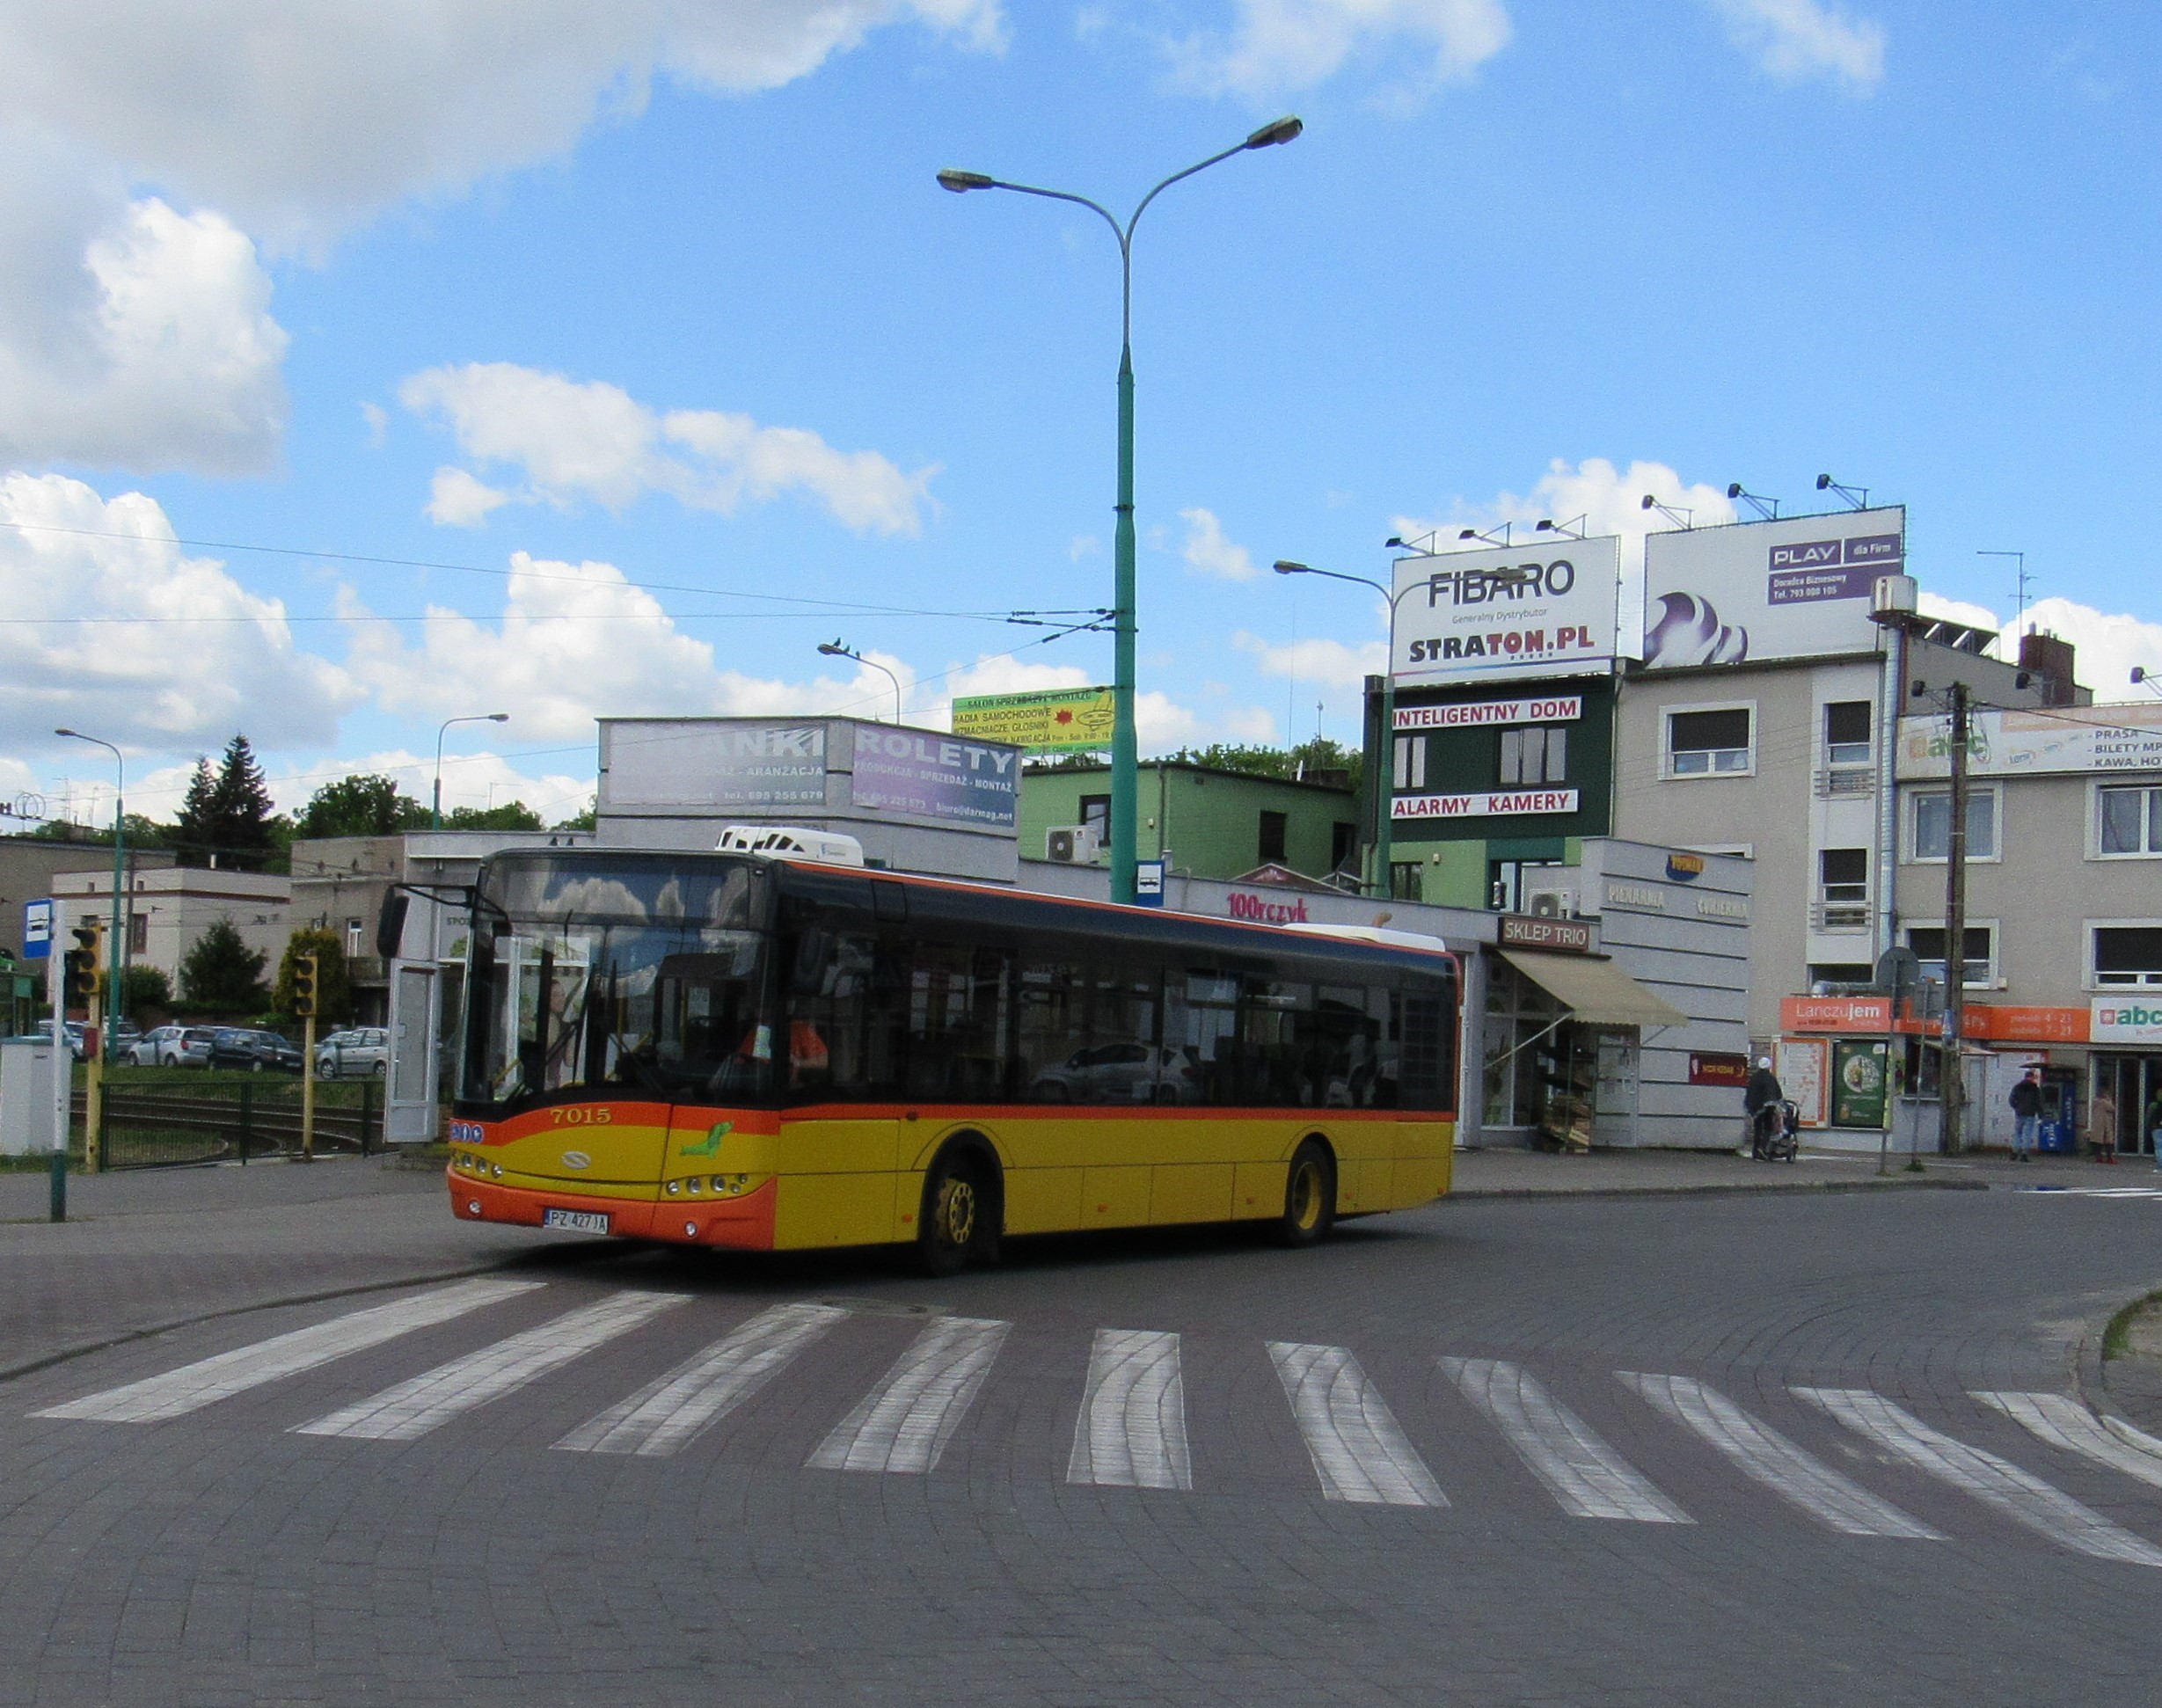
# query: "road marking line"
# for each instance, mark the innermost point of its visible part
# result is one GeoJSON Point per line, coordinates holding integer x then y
{"type": "Point", "coordinates": [2065, 1423]}
{"type": "Point", "coordinates": [193, 1386]}
{"type": "Point", "coordinates": [2132, 1437]}
{"type": "Point", "coordinates": [903, 1424]}
{"type": "Point", "coordinates": [673, 1410]}
{"type": "Point", "coordinates": [410, 1409]}
{"type": "Point", "coordinates": [2019, 1495]}
{"type": "Point", "coordinates": [1358, 1451]}
{"type": "Point", "coordinates": [1131, 1432]}
{"type": "Point", "coordinates": [1587, 1477]}
{"type": "Point", "coordinates": [2093, 1191]}
{"type": "Point", "coordinates": [1761, 1453]}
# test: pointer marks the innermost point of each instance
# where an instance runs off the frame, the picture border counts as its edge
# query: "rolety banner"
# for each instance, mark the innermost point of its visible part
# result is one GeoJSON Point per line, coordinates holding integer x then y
{"type": "Point", "coordinates": [1506, 613]}
{"type": "Point", "coordinates": [937, 776]}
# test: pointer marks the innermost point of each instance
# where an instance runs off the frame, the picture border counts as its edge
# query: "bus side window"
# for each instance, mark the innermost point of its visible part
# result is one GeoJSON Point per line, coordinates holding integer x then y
{"type": "Point", "coordinates": [844, 1029]}
{"type": "Point", "coordinates": [1200, 1024]}
{"type": "Point", "coordinates": [1052, 1038]}
{"type": "Point", "coordinates": [957, 1008]}
{"type": "Point", "coordinates": [1421, 1026]}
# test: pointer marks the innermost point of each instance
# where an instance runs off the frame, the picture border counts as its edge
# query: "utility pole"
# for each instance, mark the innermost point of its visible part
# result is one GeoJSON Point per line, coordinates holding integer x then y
{"type": "Point", "coordinates": [1952, 1082]}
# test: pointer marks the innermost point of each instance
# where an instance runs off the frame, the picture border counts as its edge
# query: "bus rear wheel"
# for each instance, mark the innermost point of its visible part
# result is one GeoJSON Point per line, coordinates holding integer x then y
{"type": "Point", "coordinates": [959, 1216]}
{"type": "Point", "coordinates": [1309, 1196]}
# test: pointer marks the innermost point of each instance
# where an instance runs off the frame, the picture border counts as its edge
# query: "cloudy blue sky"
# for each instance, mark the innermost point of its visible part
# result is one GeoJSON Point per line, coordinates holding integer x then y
{"type": "Point", "coordinates": [646, 327]}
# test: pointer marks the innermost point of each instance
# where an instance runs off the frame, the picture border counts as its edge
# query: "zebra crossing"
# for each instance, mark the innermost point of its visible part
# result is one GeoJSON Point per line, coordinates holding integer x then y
{"type": "Point", "coordinates": [2089, 1192]}
{"type": "Point", "coordinates": [1131, 1427]}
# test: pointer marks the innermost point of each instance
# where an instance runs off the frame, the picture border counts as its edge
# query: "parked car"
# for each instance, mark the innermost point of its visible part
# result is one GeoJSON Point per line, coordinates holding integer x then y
{"type": "Point", "coordinates": [172, 1047]}
{"type": "Point", "coordinates": [242, 1046]}
{"type": "Point", "coordinates": [354, 1054]}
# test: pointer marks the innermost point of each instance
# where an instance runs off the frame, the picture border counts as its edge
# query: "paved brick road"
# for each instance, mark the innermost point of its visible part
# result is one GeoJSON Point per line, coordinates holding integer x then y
{"type": "Point", "coordinates": [594, 1483]}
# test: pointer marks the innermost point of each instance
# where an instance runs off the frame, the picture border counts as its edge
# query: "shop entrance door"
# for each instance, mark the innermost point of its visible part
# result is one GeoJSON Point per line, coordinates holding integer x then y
{"type": "Point", "coordinates": [2136, 1082]}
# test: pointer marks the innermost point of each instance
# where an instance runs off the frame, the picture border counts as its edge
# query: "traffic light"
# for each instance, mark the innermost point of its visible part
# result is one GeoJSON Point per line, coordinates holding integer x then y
{"type": "Point", "coordinates": [303, 985]}
{"type": "Point", "coordinates": [84, 976]}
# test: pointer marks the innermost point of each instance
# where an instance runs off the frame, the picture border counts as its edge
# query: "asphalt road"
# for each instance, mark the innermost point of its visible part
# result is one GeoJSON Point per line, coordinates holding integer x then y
{"type": "Point", "coordinates": [1186, 1469]}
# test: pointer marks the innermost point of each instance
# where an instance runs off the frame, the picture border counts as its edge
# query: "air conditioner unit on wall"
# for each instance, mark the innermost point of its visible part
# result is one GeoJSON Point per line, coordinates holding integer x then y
{"type": "Point", "coordinates": [1072, 844]}
{"type": "Point", "coordinates": [1551, 902]}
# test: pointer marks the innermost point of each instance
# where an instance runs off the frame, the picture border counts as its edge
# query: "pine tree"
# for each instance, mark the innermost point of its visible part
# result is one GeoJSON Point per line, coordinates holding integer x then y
{"type": "Point", "coordinates": [246, 838]}
{"type": "Point", "coordinates": [195, 830]}
{"type": "Point", "coordinates": [219, 975]}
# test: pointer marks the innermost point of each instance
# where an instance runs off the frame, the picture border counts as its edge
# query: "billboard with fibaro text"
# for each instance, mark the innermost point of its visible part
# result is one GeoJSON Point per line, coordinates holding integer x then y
{"type": "Point", "coordinates": [1799, 587]}
{"type": "Point", "coordinates": [1507, 612]}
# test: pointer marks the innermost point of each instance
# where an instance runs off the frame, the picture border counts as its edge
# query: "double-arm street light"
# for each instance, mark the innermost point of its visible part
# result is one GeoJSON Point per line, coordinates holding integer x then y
{"type": "Point", "coordinates": [114, 997]}
{"type": "Point", "coordinates": [1383, 881]}
{"type": "Point", "coordinates": [436, 811]}
{"type": "Point", "coordinates": [835, 649]}
{"type": "Point", "coordinates": [1125, 751]}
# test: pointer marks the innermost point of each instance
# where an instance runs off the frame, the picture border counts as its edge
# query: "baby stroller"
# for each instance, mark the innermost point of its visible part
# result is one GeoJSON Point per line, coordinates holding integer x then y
{"type": "Point", "coordinates": [1777, 1137]}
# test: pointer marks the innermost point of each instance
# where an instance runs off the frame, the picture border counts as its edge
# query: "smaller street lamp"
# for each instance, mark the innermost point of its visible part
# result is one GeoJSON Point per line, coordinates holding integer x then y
{"type": "Point", "coordinates": [436, 812]}
{"type": "Point", "coordinates": [835, 649]}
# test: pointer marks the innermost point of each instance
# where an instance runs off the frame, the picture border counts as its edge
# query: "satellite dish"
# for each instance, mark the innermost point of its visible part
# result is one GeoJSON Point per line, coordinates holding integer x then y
{"type": "Point", "coordinates": [1899, 971]}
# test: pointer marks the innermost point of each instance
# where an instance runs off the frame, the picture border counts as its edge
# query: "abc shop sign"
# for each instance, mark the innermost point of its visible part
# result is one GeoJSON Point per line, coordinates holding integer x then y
{"type": "Point", "coordinates": [2126, 1020]}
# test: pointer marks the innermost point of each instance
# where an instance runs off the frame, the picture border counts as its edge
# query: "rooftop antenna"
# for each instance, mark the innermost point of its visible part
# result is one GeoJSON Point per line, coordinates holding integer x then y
{"type": "Point", "coordinates": [1857, 497]}
{"type": "Point", "coordinates": [1568, 530]}
{"type": "Point", "coordinates": [2019, 586]}
{"type": "Point", "coordinates": [1680, 518]}
{"type": "Point", "coordinates": [1767, 508]}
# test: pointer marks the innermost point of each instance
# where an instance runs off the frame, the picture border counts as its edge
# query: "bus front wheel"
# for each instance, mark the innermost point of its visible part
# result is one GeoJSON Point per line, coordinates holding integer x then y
{"type": "Point", "coordinates": [959, 1214]}
{"type": "Point", "coordinates": [1309, 1196]}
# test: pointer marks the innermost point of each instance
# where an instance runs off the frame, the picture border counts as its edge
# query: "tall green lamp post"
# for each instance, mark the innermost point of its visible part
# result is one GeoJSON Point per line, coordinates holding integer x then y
{"type": "Point", "coordinates": [1125, 747]}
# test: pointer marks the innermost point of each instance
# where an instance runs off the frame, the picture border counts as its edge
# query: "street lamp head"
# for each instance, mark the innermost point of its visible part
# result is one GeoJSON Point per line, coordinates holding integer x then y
{"type": "Point", "coordinates": [1285, 130]}
{"type": "Point", "coordinates": [78, 734]}
{"type": "Point", "coordinates": [1285, 566]}
{"type": "Point", "coordinates": [1394, 542]}
{"type": "Point", "coordinates": [960, 182]}
{"type": "Point", "coordinates": [499, 717]}
{"type": "Point", "coordinates": [2139, 673]}
{"type": "Point", "coordinates": [834, 649]}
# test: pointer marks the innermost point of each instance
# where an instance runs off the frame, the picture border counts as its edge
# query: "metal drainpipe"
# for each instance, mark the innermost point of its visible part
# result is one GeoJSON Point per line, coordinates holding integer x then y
{"type": "Point", "coordinates": [1890, 697]}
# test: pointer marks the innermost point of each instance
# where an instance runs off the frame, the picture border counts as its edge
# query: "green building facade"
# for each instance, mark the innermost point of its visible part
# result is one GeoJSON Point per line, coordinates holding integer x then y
{"type": "Point", "coordinates": [1215, 823]}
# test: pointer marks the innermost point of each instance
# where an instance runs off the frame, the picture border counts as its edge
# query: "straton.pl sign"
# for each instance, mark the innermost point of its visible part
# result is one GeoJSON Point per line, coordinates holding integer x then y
{"type": "Point", "coordinates": [1507, 612]}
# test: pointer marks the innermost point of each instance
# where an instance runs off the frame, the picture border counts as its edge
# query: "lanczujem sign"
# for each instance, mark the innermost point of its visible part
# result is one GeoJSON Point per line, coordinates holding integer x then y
{"type": "Point", "coordinates": [1497, 803]}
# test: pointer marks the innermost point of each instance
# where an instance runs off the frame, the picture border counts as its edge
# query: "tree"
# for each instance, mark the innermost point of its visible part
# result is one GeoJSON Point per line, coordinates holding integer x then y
{"type": "Point", "coordinates": [141, 832]}
{"type": "Point", "coordinates": [196, 830]}
{"type": "Point", "coordinates": [333, 981]}
{"type": "Point", "coordinates": [1319, 754]}
{"type": "Point", "coordinates": [366, 804]}
{"type": "Point", "coordinates": [585, 821]}
{"type": "Point", "coordinates": [146, 990]}
{"type": "Point", "coordinates": [512, 815]}
{"type": "Point", "coordinates": [246, 838]}
{"type": "Point", "coordinates": [221, 974]}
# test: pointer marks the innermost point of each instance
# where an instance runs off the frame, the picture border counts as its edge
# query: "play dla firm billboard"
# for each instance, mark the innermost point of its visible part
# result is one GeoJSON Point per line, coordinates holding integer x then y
{"type": "Point", "coordinates": [1799, 587]}
{"type": "Point", "coordinates": [1505, 613]}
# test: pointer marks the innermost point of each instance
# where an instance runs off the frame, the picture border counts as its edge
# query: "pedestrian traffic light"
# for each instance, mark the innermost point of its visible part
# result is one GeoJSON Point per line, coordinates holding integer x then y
{"type": "Point", "coordinates": [303, 985]}
{"type": "Point", "coordinates": [85, 979]}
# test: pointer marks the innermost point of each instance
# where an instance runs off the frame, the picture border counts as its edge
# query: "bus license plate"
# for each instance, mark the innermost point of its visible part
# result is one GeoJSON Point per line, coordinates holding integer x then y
{"type": "Point", "coordinates": [578, 1222]}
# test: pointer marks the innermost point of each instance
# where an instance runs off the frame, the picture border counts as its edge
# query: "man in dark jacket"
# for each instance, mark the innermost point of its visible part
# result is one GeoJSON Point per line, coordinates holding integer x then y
{"type": "Point", "coordinates": [1760, 1102]}
{"type": "Point", "coordinates": [2025, 1114]}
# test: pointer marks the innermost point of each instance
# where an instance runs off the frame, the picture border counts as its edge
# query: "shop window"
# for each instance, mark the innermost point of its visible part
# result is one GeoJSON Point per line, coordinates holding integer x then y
{"type": "Point", "coordinates": [2127, 954]}
{"type": "Point", "coordinates": [1842, 874]}
{"type": "Point", "coordinates": [1979, 970]}
{"type": "Point", "coordinates": [1932, 825]}
{"type": "Point", "coordinates": [1274, 827]}
{"type": "Point", "coordinates": [1411, 761]}
{"type": "Point", "coordinates": [1709, 743]}
{"type": "Point", "coordinates": [1096, 815]}
{"type": "Point", "coordinates": [1846, 732]}
{"type": "Point", "coordinates": [2128, 820]}
{"type": "Point", "coordinates": [1539, 754]}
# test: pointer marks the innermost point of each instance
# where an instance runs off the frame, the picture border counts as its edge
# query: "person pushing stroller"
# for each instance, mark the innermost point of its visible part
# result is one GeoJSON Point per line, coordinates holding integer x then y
{"type": "Point", "coordinates": [1764, 1102]}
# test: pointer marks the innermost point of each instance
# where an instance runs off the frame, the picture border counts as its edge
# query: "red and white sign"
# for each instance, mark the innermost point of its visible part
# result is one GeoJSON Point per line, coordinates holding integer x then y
{"type": "Point", "coordinates": [1465, 715]}
{"type": "Point", "coordinates": [1495, 803]}
{"type": "Point", "coordinates": [1835, 1013]}
{"type": "Point", "coordinates": [1267, 909]}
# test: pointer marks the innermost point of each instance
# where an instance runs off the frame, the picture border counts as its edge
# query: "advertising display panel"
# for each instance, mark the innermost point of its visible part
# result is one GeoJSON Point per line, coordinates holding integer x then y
{"type": "Point", "coordinates": [1481, 714]}
{"type": "Point", "coordinates": [1048, 720]}
{"type": "Point", "coordinates": [1507, 612]}
{"type": "Point", "coordinates": [1804, 1068]}
{"type": "Point", "coordinates": [935, 777]}
{"type": "Point", "coordinates": [1858, 1081]}
{"type": "Point", "coordinates": [2062, 739]}
{"type": "Point", "coordinates": [1799, 587]}
{"type": "Point", "coordinates": [736, 763]}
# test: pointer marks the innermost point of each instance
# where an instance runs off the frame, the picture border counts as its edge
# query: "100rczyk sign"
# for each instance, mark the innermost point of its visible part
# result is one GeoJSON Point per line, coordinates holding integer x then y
{"type": "Point", "coordinates": [1507, 612]}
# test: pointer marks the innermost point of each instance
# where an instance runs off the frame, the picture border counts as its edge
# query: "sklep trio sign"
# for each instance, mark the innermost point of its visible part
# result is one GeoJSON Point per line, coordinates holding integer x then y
{"type": "Point", "coordinates": [1506, 612]}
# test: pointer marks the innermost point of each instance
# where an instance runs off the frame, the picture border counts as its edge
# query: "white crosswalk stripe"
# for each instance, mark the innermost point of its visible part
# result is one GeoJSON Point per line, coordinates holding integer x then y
{"type": "Point", "coordinates": [1763, 1455]}
{"type": "Point", "coordinates": [410, 1409]}
{"type": "Point", "coordinates": [1358, 1451]}
{"type": "Point", "coordinates": [904, 1423]}
{"type": "Point", "coordinates": [2065, 1423]}
{"type": "Point", "coordinates": [673, 1410]}
{"type": "Point", "coordinates": [208, 1380]}
{"type": "Point", "coordinates": [1131, 1432]}
{"type": "Point", "coordinates": [2091, 1192]}
{"type": "Point", "coordinates": [1584, 1474]}
{"type": "Point", "coordinates": [1997, 1482]}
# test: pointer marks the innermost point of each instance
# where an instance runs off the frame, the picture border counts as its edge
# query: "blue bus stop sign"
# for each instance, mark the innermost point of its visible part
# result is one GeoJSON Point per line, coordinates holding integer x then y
{"type": "Point", "coordinates": [1148, 883]}
{"type": "Point", "coordinates": [37, 929]}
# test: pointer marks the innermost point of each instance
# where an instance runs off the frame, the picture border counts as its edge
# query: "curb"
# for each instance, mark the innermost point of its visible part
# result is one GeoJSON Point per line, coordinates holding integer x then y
{"type": "Point", "coordinates": [1800, 1189]}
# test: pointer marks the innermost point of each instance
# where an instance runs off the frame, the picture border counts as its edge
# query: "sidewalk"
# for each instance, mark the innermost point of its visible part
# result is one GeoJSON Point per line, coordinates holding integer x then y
{"type": "Point", "coordinates": [1513, 1173]}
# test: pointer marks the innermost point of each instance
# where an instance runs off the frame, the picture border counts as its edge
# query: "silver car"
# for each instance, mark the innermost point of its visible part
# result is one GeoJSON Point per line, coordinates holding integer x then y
{"type": "Point", "coordinates": [354, 1054]}
{"type": "Point", "coordinates": [172, 1046]}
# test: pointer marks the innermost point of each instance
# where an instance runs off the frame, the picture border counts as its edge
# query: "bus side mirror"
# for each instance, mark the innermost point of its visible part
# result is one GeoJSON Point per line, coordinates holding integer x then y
{"type": "Point", "coordinates": [391, 925]}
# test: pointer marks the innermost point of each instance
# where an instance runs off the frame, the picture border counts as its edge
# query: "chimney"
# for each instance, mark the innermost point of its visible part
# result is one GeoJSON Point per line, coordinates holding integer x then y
{"type": "Point", "coordinates": [2049, 662]}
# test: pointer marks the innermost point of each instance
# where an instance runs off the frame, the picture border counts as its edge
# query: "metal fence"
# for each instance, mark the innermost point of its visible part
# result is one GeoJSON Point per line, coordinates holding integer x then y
{"type": "Point", "coordinates": [170, 1125]}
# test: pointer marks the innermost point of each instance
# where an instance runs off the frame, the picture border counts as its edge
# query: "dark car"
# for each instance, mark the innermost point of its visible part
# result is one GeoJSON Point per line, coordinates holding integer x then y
{"type": "Point", "coordinates": [241, 1046]}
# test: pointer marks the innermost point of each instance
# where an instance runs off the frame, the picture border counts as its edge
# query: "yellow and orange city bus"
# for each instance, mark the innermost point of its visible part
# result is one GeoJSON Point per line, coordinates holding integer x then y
{"type": "Point", "coordinates": [766, 1054]}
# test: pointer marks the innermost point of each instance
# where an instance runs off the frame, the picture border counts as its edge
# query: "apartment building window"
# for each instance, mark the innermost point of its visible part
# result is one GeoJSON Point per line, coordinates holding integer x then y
{"type": "Point", "coordinates": [1710, 742]}
{"type": "Point", "coordinates": [1343, 845]}
{"type": "Point", "coordinates": [1979, 971]}
{"type": "Point", "coordinates": [2126, 955]}
{"type": "Point", "coordinates": [1539, 754]}
{"type": "Point", "coordinates": [1273, 827]}
{"type": "Point", "coordinates": [1842, 874]}
{"type": "Point", "coordinates": [138, 933]}
{"type": "Point", "coordinates": [1411, 761]}
{"type": "Point", "coordinates": [2128, 820]}
{"type": "Point", "coordinates": [1096, 815]}
{"type": "Point", "coordinates": [354, 928]}
{"type": "Point", "coordinates": [1931, 822]}
{"type": "Point", "coordinates": [1846, 732]}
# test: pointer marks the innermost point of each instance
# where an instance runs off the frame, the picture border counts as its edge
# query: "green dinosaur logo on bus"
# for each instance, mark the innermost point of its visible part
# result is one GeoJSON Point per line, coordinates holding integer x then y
{"type": "Point", "coordinates": [710, 1145]}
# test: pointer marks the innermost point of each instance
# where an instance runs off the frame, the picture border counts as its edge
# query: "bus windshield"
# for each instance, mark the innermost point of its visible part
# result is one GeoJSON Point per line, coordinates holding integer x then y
{"type": "Point", "coordinates": [645, 974]}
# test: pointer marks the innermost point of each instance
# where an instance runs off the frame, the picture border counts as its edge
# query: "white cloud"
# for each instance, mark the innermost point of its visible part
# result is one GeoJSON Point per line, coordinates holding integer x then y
{"type": "Point", "coordinates": [175, 652]}
{"type": "Point", "coordinates": [2106, 644]}
{"type": "Point", "coordinates": [574, 440]}
{"type": "Point", "coordinates": [456, 500]}
{"type": "Point", "coordinates": [1957, 610]}
{"type": "Point", "coordinates": [1162, 725]}
{"type": "Point", "coordinates": [1330, 663]}
{"type": "Point", "coordinates": [1278, 45]}
{"type": "Point", "coordinates": [1207, 549]}
{"type": "Point", "coordinates": [1793, 40]}
{"type": "Point", "coordinates": [378, 424]}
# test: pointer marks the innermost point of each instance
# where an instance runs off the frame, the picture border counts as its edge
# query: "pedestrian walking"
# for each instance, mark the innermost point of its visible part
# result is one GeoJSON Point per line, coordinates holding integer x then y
{"type": "Point", "coordinates": [1760, 1102]}
{"type": "Point", "coordinates": [2025, 1114]}
{"type": "Point", "coordinates": [2102, 1124]}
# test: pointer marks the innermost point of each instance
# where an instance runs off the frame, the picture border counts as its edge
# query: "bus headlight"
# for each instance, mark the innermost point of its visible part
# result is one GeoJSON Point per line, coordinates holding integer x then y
{"type": "Point", "coordinates": [674, 1188]}
{"type": "Point", "coordinates": [697, 1184]}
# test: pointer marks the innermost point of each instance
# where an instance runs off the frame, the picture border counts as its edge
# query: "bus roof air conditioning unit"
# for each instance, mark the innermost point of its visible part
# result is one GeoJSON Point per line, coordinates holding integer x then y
{"type": "Point", "coordinates": [1072, 844]}
{"type": "Point", "coordinates": [791, 842]}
